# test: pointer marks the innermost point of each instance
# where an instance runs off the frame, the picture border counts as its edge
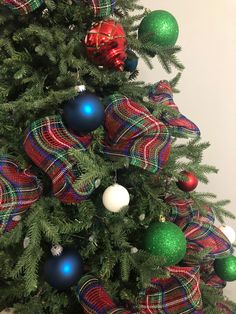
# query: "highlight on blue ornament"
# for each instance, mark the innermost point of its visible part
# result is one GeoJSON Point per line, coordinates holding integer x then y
{"type": "Point", "coordinates": [88, 109]}
{"type": "Point", "coordinates": [84, 113]}
{"type": "Point", "coordinates": [67, 267]}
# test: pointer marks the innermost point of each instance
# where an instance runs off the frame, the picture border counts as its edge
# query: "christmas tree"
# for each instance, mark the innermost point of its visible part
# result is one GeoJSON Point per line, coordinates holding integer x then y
{"type": "Point", "coordinates": [99, 208]}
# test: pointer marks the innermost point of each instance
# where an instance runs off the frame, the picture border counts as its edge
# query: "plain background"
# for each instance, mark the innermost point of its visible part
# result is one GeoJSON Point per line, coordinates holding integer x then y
{"type": "Point", "coordinates": [208, 85]}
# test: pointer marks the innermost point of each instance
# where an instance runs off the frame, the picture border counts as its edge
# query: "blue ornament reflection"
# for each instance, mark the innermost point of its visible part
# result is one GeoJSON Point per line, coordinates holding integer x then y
{"type": "Point", "coordinates": [67, 268]}
{"type": "Point", "coordinates": [88, 109]}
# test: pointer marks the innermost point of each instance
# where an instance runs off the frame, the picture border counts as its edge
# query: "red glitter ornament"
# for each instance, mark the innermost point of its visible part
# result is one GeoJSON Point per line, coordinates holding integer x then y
{"type": "Point", "coordinates": [106, 44]}
{"type": "Point", "coordinates": [189, 184]}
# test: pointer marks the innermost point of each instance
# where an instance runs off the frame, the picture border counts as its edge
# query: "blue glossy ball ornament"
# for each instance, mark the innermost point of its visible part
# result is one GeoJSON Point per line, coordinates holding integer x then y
{"type": "Point", "coordinates": [84, 113]}
{"type": "Point", "coordinates": [131, 62]}
{"type": "Point", "coordinates": [63, 271]}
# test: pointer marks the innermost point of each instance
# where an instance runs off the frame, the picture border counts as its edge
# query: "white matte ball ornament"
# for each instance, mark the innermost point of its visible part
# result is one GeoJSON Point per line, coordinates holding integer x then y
{"type": "Point", "coordinates": [228, 232]}
{"type": "Point", "coordinates": [115, 197]}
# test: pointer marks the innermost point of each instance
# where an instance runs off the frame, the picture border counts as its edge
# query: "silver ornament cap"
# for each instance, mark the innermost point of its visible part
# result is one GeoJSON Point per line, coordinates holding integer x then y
{"type": "Point", "coordinates": [80, 88]}
{"type": "Point", "coordinates": [56, 250]}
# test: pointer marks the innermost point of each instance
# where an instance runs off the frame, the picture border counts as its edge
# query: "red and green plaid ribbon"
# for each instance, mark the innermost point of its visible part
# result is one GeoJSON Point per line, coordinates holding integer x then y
{"type": "Point", "coordinates": [183, 211]}
{"type": "Point", "coordinates": [199, 229]}
{"type": "Point", "coordinates": [47, 143]}
{"type": "Point", "coordinates": [133, 132]}
{"type": "Point", "coordinates": [102, 8]}
{"type": "Point", "coordinates": [94, 299]}
{"type": "Point", "coordinates": [162, 94]}
{"type": "Point", "coordinates": [178, 294]}
{"type": "Point", "coordinates": [224, 308]}
{"type": "Point", "coordinates": [201, 235]}
{"type": "Point", "coordinates": [18, 191]}
{"type": "Point", "coordinates": [23, 6]}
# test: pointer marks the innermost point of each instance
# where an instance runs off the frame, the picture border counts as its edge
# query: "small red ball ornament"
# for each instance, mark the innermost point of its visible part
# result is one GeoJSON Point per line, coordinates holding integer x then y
{"type": "Point", "coordinates": [106, 44]}
{"type": "Point", "coordinates": [190, 184]}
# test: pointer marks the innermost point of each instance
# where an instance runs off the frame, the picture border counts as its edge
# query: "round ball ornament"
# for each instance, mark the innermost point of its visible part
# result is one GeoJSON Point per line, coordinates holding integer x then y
{"type": "Point", "coordinates": [165, 240]}
{"type": "Point", "coordinates": [101, 8]}
{"type": "Point", "coordinates": [131, 62]}
{"type": "Point", "coordinates": [189, 184]}
{"type": "Point", "coordinates": [22, 7]}
{"type": "Point", "coordinates": [84, 113]}
{"type": "Point", "coordinates": [225, 268]}
{"type": "Point", "coordinates": [160, 27]}
{"type": "Point", "coordinates": [228, 232]}
{"type": "Point", "coordinates": [115, 197]}
{"type": "Point", "coordinates": [106, 44]}
{"type": "Point", "coordinates": [63, 269]}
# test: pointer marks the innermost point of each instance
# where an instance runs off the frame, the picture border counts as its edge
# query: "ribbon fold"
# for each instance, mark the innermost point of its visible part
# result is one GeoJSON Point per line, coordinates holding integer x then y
{"type": "Point", "coordinates": [133, 132]}
{"type": "Point", "coordinates": [18, 191]}
{"type": "Point", "coordinates": [47, 143]}
{"type": "Point", "coordinates": [94, 299]}
{"type": "Point", "coordinates": [162, 94]}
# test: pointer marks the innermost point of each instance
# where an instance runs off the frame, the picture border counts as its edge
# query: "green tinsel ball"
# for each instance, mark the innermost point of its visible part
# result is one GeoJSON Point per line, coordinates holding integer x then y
{"type": "Point", "coordinates": [165, 240]}
{"type": "Point", "coordinates": [225, 268]}
{"type": "Point", "coordinates": [160, 27]}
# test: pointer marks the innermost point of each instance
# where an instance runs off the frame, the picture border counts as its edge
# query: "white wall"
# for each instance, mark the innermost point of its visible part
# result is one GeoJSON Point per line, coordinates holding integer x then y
{"type": "Point", "coordinates": [208, 86]}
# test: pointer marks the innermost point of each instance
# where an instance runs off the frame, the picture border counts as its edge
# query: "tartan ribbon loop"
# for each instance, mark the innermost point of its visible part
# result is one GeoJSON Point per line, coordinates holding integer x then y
{"type": "Point", "coordinates": [47, 143]}
{"type": "Point", "coordinates": [178, 294]}
{"type": "Point", "coordinates": [201, 235]}
{"type": "Point", "coordinates": [94, 299]}
{"type": "Point", "coordinates": [132, 131]}
{"type": "Point", "coordinates": [224, 308]}
{"type": "Point", "coordinates": [101, 8]}
{"type": "Point", "coordinates": [180, 126]}
{"type": "Point", "coordinates": [18, 191]}
{"type": "Point", "coordinates": [214, 281]}
{"type": "Point", "coordinates": [183, 211]}
{"type": "Point", "coordinates": [198, 228]}
{"type": "Point", "coordinates": [209, 277]}
{"type": "Point", "coordinates": [23, 7]}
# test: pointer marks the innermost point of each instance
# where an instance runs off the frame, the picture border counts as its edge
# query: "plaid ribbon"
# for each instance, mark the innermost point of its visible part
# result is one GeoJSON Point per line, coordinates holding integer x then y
{"type": "Point", "coordinates": [214, 281]}
{"type": "Point", "coordinates": [201, 235]}
{"type": "Point", "coordinates": [132, 131]}
{"type": "Point", "coordinates": [183, 211]}
{"type": "Point", "coordinates": [102, 8]}
{"type": "Point", "coordinates": [18, 191]}
{"type": "Point", "coordinates": [178, 294]}
{"type": "Point", "coordinates": [180, 126]}
{"type": "Point", "coordinates": [224, 308]}
{"type": "Point", "coordinates": [23, 6]}
{"type": "Point", "coordinates": [47, 143]}
{"type": "Point", "coordinates": [94, 299]}
{"type": "Point", "coordinates": [199, 230]}
{"type": "Point", "coordinates": [209, 276]}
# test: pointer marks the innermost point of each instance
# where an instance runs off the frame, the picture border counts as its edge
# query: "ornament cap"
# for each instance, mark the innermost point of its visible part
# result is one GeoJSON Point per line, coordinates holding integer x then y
{"type": "Point", "coordinates": [133, 250]}
{"type": "Point", "coordinates": [162, 218]}
{"type": "Point", "coordinates": [80, 88]}
{"type": "Point", "coordinates": [56, 250]}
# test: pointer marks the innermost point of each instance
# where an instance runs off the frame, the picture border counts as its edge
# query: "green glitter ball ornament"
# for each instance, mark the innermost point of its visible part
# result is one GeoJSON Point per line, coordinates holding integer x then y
{"type": "Point", "coordinates": [160, 27]}
{"type": "Point", "coordinates": [167, 241]}
{"type": "Point", "coordinates": [225, 268]}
